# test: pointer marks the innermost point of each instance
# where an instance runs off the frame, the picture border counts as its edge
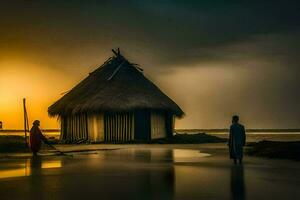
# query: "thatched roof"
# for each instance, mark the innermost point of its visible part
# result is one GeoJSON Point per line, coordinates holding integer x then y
{"type": "Point", "coordinates": [116, 86]}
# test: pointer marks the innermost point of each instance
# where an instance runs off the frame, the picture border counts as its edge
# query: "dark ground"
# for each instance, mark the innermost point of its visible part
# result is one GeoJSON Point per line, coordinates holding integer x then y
{"type": "Point", "coordinates": [272, 149]}
{"type": "Point", "coordinates": [15, 144]}
{"type": "Point", "coordinates": [12, 144]}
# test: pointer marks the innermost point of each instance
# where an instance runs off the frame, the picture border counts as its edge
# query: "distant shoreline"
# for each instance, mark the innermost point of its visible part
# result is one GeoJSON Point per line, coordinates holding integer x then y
{"type": "Point", "coordinates": [183, 130]}
{"type": "Point", "coordinates": [226, 130]}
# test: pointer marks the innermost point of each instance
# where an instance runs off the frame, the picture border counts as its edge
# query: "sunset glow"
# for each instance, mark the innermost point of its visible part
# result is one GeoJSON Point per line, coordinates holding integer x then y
{"type": "Point", "coordinates": [39, 85]}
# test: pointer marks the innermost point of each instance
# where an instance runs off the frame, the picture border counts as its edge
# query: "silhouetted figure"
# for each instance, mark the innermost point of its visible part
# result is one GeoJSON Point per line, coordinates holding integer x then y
{"type": "Point", "coordinates": [237, 139]}
{"type": "Point", "coordinates": [237, 182]}
{"type": "Point", "coordinates": [36, 137]}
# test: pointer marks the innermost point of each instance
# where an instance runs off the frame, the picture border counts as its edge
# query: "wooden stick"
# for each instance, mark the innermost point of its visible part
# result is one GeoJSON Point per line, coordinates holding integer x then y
{"type": "Point", "coordinates": [25, 121]}
{"type": "Point", "coordinates": [53, 147]}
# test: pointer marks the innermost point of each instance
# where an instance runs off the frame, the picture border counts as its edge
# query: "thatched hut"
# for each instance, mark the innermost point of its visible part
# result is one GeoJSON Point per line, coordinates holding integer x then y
{"type": "Point", "coordinates": [116, 102]}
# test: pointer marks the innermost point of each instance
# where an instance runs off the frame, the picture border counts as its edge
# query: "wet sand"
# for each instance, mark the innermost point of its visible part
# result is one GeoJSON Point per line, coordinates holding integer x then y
{"type": "Point", "coordinates": [146, 172]}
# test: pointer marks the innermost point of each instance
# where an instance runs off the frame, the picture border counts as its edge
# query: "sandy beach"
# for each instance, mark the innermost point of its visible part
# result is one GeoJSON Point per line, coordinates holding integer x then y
{"type": "Point", "coordinates": [201, 171]}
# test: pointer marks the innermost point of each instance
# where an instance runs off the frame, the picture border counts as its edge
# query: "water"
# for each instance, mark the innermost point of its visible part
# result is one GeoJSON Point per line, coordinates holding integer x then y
{"type": "Point", "coordinates": [258, 136]}
{"type": "Point", "coordinates": [27, 167]}
{"type": "Point", "coordinates": [272, 136]}
{"type": "Point", "coordinates": [152, 173]}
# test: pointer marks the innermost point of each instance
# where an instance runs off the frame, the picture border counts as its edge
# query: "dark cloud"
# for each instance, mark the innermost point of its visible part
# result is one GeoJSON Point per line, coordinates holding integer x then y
{"type": "Point", "coordinates": [169, 31]}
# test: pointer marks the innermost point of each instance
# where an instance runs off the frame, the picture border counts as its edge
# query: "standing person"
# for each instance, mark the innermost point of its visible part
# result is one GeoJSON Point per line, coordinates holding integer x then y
{"type": "Point", "coordinates": [237, 139]}
{"type": "Point", "coordinates": [36, 137]}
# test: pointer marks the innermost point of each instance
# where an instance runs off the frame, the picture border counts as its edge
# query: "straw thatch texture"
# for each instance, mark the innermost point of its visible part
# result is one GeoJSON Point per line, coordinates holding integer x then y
{"type": "Point", "coordinates": [116, 86]}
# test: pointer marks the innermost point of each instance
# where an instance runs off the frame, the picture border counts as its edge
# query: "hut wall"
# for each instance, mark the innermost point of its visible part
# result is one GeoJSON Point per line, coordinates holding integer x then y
{"type": "Point", "coordinates": [119, 127]}
{"type": "Point", "coordinates": [63, 128]}
{"type": "Point", "coordinates": [74, 128]}
{"type": "Point", "coordinates": [158, 125]}
{"type": "Point", "coordinates": [116, 127]}
{"type": "Point", "coordinates": [96, 127]}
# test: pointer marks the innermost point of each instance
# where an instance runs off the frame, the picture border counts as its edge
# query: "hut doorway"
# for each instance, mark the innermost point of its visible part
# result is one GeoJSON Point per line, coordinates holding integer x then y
{"type": "Point", "coordinates": [142, 128]}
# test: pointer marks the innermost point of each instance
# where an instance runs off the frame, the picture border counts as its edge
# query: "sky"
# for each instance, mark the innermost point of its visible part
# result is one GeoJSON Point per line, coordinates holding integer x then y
{"type": "Point", "coordinates": [213, 58]}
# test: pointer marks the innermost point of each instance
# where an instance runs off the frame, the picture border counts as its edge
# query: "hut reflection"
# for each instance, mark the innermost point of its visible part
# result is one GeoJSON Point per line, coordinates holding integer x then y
{"type": "Point", "coordinates": [237, 183]}
{"type": "Point", "coordinates": [158, 183]}
{"type": "Point", "coordinates": [124, 174]}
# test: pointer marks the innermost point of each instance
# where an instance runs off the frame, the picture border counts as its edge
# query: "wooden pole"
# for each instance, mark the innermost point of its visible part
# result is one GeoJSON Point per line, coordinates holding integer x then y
{"type": "Point", "coordinates": [25, 121]}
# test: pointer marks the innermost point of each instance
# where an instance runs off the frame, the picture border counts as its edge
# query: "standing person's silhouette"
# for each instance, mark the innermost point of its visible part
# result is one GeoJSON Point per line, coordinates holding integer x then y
{"type": "Point", "coordinates": [237, 139]}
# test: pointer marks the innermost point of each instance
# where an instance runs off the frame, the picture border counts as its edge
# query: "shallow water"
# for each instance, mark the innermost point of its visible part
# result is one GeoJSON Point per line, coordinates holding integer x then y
{"type": "Point", "coordinates": [152, 173]}
{"type": "Point", "coordinates": [259, 136]}
{"type": "Point", "coordinates": [251, 136]}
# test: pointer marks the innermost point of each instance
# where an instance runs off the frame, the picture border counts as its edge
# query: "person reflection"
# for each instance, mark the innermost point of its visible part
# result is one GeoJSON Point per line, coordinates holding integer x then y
{"type": "Point", "coordinates": [237, 182]}
{"type": "Point", "coordinates": [35, 165]}
{"type": "Point", "coordinates": [36, 180]}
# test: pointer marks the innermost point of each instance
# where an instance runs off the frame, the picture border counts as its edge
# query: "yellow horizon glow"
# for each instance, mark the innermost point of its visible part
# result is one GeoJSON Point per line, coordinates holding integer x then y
{"type": "Point", "coordinates": [40, 86]}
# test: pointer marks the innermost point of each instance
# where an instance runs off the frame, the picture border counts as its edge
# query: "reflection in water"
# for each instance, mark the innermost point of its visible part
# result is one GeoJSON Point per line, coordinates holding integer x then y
{"type": "Point", "coordinates": [119, 174]}
{"type": "Point", "coordinates": [237, 182]}
{"type": "Point", "coordinates": [188, 155]}
{"type": "Point", "coordinates": [51, 164]}
{"type": "Point", "coordinates": [154, 184]}
{"type": "Point", "coordinates": [13, 173]}
{"type": "Point", "coordinates": [28, 167]}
